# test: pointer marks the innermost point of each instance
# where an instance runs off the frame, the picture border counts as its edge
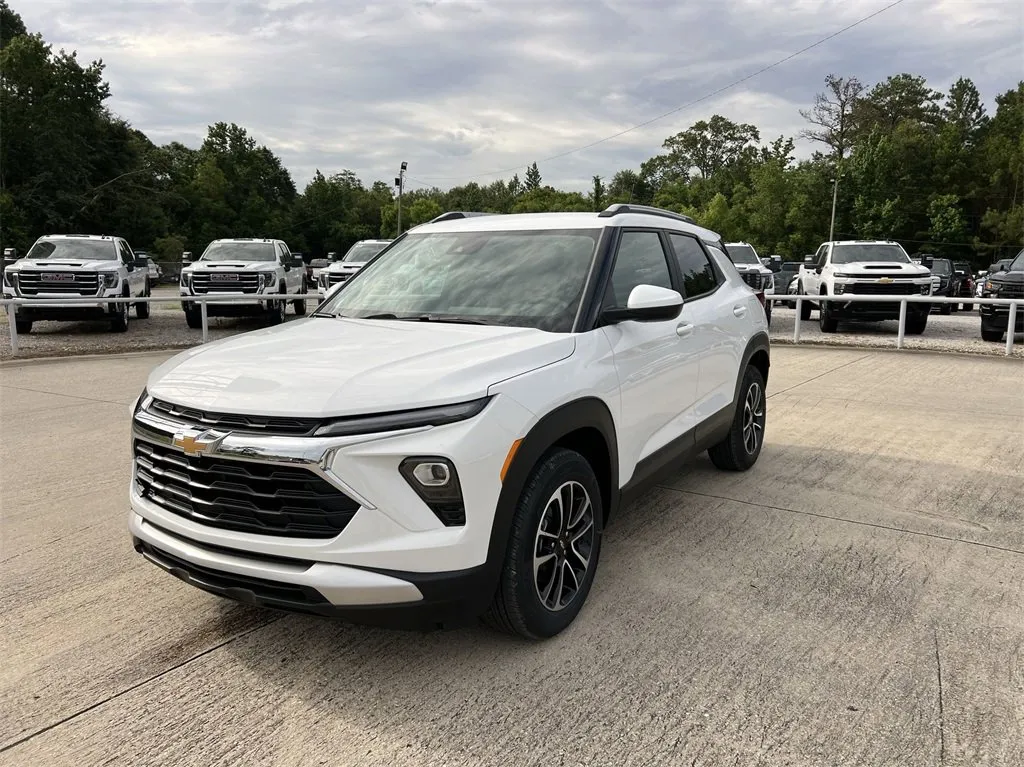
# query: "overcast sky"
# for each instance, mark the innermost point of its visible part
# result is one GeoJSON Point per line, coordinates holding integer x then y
{"type": "Point", "coordinates": [459, 88]}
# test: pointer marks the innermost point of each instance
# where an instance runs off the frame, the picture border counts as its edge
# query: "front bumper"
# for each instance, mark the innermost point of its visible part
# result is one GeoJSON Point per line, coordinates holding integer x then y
{"type": "Point", "coordinates": [72, 311]}
{"type": "Point", "coordinates": [394, 563]}
{"type": "Point", "coordinates": [239, 305]}
{"type": "Point", "coordinates": [999, 316]}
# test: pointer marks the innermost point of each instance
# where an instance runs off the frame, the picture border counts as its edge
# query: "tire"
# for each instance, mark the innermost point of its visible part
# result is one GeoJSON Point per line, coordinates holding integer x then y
{"type": "Point", "coordinates": [916, 324]}
{"type": "Point", "coordinates": [946, 309]}
{"type": "Point", "coordinates": [805, 307]}
{"type": "Point", "coordinates": [194, 318]}
{"type": "Point", "coordinates": [826, 321]}
{"type": "Point", "coordinates": [300, 306]}
{"type": "Point", "coordinates": [142, 310]}
{"type": "Point", "coordinates": [740, 449]}
{"type": "Point", "coordinates": [530, 601]}
{"type": "Point", "coordinates": [768, 313]}
{"type": "Point", "coordinates": [275, 315]}
{"type": "Point", "coordinates": [22, 327]}
{"type": "Point", "coordinates": [968, 307]}
{"type": "Point", "coordinates": [987, 333]}
{"type": "Point", "coordinates": [119, 321]}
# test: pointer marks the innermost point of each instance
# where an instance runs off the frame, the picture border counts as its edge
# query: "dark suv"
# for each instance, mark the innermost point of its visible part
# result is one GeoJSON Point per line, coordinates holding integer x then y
{"type": "Point", "coordinates": [995, 320]}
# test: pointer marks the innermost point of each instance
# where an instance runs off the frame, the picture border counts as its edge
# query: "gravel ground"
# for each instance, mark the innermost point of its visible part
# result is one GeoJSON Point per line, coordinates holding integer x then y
{"type": "Point", "coordinates": [166, 329]}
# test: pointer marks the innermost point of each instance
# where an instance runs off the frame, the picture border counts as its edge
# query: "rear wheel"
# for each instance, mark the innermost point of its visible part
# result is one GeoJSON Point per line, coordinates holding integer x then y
{"type": "Point", "coordinates": [552, 550]}
{"type": "Point", "coordinates": [300, 307]}
{"type": "Point", "coordinates": [946, 309]}
{"type": "Point", "coordinates": [142, 309]}
{"type": "Point", "coordinates": [740, 449]}
{"type": "Point", "coordinates": [917, 323]}
{"type": "Point", "coordinates": [968, 307]}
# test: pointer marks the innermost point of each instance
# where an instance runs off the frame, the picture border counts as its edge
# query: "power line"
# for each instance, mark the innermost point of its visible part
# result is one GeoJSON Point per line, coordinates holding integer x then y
{"type": "Point", "coordinates": [688, 104]}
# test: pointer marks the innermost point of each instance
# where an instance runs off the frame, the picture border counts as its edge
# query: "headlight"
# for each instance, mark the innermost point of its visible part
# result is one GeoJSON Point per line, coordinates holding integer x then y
{"type": "Point", "coordinates": [991, 286]}
{"type": "Point", "coordinates": [186, 279]}
{"type": "Point", "coordinates": [10, 278]}
{"type": "Point", "coordinates": [108, 279]}
{"type": "Point", "coordinates": [403, 419]}
{"type": "Point", "coordinates": [771, 282]}
{"type": "Point", "coordinates": [842, 275]}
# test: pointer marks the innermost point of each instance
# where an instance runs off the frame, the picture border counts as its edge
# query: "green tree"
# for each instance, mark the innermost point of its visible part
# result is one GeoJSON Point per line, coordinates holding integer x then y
{"type": "Point", "coordinates": [532, 179]}
{"type": "Point", "coordinates": [597, 197]}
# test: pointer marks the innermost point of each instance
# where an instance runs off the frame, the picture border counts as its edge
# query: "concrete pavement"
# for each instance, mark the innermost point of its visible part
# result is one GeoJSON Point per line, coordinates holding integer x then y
{"type": "Point", "coordinates": [856, 598]}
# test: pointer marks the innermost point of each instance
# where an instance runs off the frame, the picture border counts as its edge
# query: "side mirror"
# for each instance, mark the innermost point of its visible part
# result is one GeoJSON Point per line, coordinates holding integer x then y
{"type": "Point", "coordinates": [808, 259]}
{"type": "Point", "coordinates": [647, 303]}
{"type": "Point", "coordinates": [10, 254]}
{"type": "Point", "coordinates": [142, 263]}
{"type": "Point", "coordinates": [297, 261]}
{"type": "Point", "coordinates": [186, 257]}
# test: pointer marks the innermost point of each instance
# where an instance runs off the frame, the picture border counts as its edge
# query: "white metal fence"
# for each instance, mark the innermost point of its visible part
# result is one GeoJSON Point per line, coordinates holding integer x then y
{"type": "Point", "coordinates": [203, 300]}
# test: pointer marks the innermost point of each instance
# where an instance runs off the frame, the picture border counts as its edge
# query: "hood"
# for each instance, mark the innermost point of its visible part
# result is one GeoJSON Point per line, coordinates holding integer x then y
{"type": "Point", "coordinates": [346, 266]}
{"type": "Point", "coordinates": [1004, 278]}
{"type": "Point", "coordinates": [321, 367]}
{"type": "Point", "coordinates": [760, 268]}
{"type": "Point", "coordinates": [882, 269]}
{"type": "Point", "coordinates": [65, 264]}
{"type": "Point", "coordinates": [216, 266]}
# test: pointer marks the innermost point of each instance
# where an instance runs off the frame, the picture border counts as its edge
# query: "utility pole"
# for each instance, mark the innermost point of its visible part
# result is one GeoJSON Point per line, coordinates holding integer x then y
{"type": "Point", "coordinates": [400, 183]}
{"type": "Point", "coordinates": [835, 195]}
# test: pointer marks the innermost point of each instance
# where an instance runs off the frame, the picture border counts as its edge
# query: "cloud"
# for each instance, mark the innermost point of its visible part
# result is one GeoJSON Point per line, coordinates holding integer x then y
{"type": "Point", "coordinates": [459, 88]}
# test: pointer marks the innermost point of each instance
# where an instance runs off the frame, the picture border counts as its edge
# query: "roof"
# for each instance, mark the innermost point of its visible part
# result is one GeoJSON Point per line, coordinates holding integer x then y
{"type": "Point", "coordinates": [863, 242]}
{"type": "Point", "coordinates": [245, 239]}
{"type": "Point", "coordinates": [102, 237]}
{"type": "Point", "coordinates": [532, 221]}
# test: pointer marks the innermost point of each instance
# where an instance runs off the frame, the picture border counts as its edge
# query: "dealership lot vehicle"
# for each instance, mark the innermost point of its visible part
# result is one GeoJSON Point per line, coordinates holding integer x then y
{"type": "Point", "coordinates": [759, 277]}
{"type": "Point", "coordinates": [1006, 283]}
{"type": "Point", "coordinates": [337, 272]}
{"type": "Point", "coordinates": [864, 267]}
{"type": "Point", "coordinates": [502, 383]}
{"type": "Point", "coordinates": [255, 278]}
{"type": "Point", "coordinates": [754, 610]}
{"type": "Point", "coordinates": [73, 266]}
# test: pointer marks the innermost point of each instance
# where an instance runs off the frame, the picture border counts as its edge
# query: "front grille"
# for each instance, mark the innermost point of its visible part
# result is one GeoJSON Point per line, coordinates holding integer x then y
{"type": "Point", "coordinates": [233, 282]}
{"type": "Point", "coordinates": [875, 289]}
{"type": "Point", "coordinates": [333, 278]}
{"type": "Point", "coordinates": [259, 424]}
{"type": "Point", "coordinates": [753, 279]}
{"type": "Point", "coordinates": [278, 594]}
{"type": "Point", "coordinates": [1011, 290]}
{"type": "Point", "coordinates": [31, 283]}
{"type": "Point", "coordinates": [241, 495]}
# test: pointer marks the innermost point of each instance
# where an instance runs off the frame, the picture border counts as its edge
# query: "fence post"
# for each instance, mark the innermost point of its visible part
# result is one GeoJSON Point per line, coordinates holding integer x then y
{"type": "Point", "coordinates": [202, 311]}
{"type": "Point", "coordinates": [1010, 328]}
{"type": "Point", "coordinates": [14, 329]}
{"type": "Point", "coordinates": [903, 323]}
{"type": "Point", "coordinates": [796, 322]}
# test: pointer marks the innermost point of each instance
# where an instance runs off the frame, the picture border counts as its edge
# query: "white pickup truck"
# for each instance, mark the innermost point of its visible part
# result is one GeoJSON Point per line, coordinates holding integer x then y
{"type": "Point", "coordinates": [863, 267]}
{"type": "Point", "coordinates": [355, 258]}
{"type": "Point", "coordinates": [266, 270]}
{"type": "Point", "coordinates": [73, 266]}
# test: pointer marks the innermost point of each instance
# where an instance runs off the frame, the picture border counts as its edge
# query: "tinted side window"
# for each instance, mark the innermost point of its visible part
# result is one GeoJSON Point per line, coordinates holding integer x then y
{"type": "Point", "coordinates": [124, 252]}
{"type": "Point", "coordinates": [698, 274]}
{"type": "Point", "coordinates": [640, 261]}
{"type": "Point", "coordinates": [822, 255]}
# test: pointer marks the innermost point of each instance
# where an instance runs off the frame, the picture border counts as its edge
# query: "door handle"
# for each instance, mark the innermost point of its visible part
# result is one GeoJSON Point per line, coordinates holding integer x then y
{"type": "Point", "coordinates": [739, 310]}
{"type": "Point", "coordinates": [684, 330]}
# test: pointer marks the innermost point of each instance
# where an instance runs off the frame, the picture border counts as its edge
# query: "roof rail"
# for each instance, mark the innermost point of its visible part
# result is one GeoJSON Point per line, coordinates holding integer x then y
{"type": "Point", "coordinates": [454, 214]}
{"type": "Point", "coordinates": [622, 208]}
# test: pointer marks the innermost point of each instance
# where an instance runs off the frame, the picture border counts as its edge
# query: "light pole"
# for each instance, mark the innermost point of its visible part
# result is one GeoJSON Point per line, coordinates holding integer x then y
{"type": "Point", "coordinates": [835, 195]}
{"type": "Point", "coordinates": [400, 183]}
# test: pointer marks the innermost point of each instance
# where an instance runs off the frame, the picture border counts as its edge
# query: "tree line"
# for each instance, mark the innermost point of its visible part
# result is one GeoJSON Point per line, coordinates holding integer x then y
{"type": "Point", "coordinates": [934, 171]}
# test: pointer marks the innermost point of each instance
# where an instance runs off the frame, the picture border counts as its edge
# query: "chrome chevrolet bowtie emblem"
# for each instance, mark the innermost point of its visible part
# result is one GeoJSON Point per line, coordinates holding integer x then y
{"type": "Point", "coordinates": [192, 443]}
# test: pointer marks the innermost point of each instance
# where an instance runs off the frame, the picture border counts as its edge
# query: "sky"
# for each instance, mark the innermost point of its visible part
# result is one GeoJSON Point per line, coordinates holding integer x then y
{"type": "Point", "coordinates": [461, 89]}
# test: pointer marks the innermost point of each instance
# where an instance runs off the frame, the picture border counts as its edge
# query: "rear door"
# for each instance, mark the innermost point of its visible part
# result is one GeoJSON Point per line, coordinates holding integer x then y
{"type": "Point", "coordinates": [658, 362]}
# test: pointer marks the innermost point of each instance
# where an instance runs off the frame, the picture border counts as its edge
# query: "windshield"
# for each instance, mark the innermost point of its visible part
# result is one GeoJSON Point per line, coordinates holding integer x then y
{"type": "Point", "coordinates": [363, 251]}
{"type": "Point", "coordinates": [239, 251]}
{"type": "Point", "coordinates": [941, 266]}
{"type": "Point", "coordinates": [851, 254]}
{"type": "Point", "coordinates": [522, 278]}
{"type": "Point", "coordinates": [743, 254]}
{"type": "Point", "coordinates": [1017, 265]}
{"type": "Point", "coordinates": [791, 266]}
{"type": "Point", "coordinates": [85, 250]}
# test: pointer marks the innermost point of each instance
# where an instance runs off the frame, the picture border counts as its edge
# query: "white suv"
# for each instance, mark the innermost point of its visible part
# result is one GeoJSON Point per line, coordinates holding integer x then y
{"type": "Point", "coordinates": [73, 266]}
{"type": "Point", "coordinates": [480, 402]}
{"type": "Point", "coordinates": [355, 258]}
{"type": "Point", "coordinates": [263, 271]}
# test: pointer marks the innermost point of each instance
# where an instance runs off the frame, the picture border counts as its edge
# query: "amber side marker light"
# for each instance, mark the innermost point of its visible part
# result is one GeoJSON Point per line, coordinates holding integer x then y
{"type": "Point", "coordinates": [509, 458]}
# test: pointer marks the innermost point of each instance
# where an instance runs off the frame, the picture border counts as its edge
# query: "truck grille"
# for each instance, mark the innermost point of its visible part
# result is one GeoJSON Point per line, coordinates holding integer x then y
{"type": "Point", "coordinates": [1009, 290]}
{"type": "Point", "coordinates": [875, 289]}
{"type": "Point", "coordinates": [333, 278]}
{"type": "Point", "coordinates": [268, 425]}
{"type": "Point", "coordinates": [753, 279]}
{"type": "Point", "coordinates": [241, 495]}
{"type": "Point", "coordinates": [31, 283]}
{"type": "Point", "coordinates": [233, 282]}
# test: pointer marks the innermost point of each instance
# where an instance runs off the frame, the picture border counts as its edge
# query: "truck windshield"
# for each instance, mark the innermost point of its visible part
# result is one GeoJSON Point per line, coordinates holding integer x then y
{"type": "Point", "coordinates": [363, 251]}
{"type": "Point", "coordinates": [1017, 265]}
{"type": "Point", "coordinates": [743, 254]}
{"type": "Point", "coordinates": [517, 278]}
{"type": "Point", "coordinates": [239, 251]}
{"type": "Point", "coordinates": [77, 250]}
{"type": "Point", "coordinates": [854, 253]}
{"type": "Point", "coordinates": [942, 266]}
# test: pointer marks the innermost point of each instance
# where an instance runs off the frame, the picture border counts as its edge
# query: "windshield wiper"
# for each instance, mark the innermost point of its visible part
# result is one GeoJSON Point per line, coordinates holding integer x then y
{"type": "Point", "coordinates": [453, 319]}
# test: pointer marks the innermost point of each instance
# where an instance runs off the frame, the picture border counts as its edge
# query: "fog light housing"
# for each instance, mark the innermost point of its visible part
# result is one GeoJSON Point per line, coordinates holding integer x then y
{"type": "Point", "coordinates": [437, 483]}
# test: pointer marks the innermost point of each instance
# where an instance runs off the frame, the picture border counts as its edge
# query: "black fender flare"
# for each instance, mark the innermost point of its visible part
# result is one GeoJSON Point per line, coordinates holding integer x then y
{"type": "Point", "coordinates": [587, 412]}
{"type": "Point", "coordinates": [758, 343]}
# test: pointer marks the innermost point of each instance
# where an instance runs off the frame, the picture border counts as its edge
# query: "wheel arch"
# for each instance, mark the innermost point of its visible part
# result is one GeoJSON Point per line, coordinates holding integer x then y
{"type": "Point", "coordinates": [758, 354]}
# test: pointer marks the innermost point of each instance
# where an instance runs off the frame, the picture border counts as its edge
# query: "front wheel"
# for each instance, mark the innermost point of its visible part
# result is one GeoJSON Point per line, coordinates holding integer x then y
{"type": "Point", "coordinates": [23, 327]}
{"type": "Point", "coordinates": [827, 322]}
{"type": "Point", "coordinates": [194, 318]}
{"type": "Point", "coordinates": [277, 309]}
{"type": "Point", "coordinates": [142, 309]}
{"type": "Point", "coordinates": [805, 306]}
{"type": "Point", "coordinates": [740, 449]}
{"type": "Point", "coordinates": [552, 549]}
{"type": "Point", "coordinates": [300, 307]}
{"type": "Point", "coordinates": [968, 307]}
{"type": "Point", "coordinates": [987, 334]}
{"type": "Point", "coordinates": [917, 323]}
{"type": "Point", "coordinates": [946, 309]}
{"type": "Point", "coordinates": [119, 320]}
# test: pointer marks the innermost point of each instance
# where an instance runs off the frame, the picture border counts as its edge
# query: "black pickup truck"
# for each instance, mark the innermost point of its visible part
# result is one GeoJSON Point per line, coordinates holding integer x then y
{"type": "Point", "coordinates": [995, 320]}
